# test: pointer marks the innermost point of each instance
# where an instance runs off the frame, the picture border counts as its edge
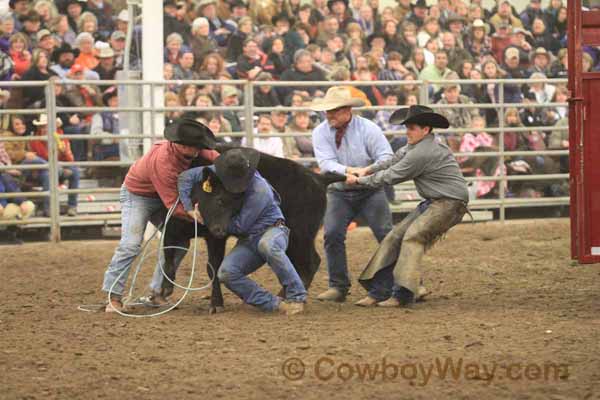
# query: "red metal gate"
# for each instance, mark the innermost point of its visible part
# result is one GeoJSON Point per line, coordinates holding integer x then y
{"type": "Point", "coordinates": [584, 136]}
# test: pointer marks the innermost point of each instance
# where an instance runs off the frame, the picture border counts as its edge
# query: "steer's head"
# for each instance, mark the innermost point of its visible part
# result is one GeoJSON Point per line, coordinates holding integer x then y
{"type": "Point", "coordinates": [216, 204]}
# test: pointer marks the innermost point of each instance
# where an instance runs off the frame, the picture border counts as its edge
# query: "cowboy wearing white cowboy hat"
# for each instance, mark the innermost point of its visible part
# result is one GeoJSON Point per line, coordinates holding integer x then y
{"type": "Point", "coordinates": [393, 276]}
{"type": "Point", "coordinates": [345, 143]}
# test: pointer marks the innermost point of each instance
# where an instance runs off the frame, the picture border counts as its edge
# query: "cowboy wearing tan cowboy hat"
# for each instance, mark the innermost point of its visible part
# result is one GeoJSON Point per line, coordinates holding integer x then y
{"type": "Point", "coordinates": [346, 143]}
{"type": "Point", "coordinates": [393, 276]}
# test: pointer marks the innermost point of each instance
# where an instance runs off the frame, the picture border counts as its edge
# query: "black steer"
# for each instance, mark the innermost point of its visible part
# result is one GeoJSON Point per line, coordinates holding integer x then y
{"type": "Point", "coordinates": [303, 202]}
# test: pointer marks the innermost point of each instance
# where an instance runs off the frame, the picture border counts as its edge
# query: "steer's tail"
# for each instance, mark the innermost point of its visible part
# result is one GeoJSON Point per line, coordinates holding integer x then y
{"type": "Point", "coordinates": [329, 177]}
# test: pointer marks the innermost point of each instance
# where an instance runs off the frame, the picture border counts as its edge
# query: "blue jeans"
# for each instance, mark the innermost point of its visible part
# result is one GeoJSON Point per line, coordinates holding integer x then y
{"type": "Point", "coordinates": [41, 176]}
{"type": "Point", "coordinates": [104, 151]}
{"type": "Point", "coordinates": [342, 208]}
{"type": "Point", "coordinates": [78, 147]}
{"type": "Point", "coordinates": [135, 215]}
{"type": "Point", "coordinates": [73, 182]}
{"type": "Point", "coordinates": [250, 254]}
{"type": "Point", "coordinates": [8, 184]}
{"type": "Point", "coordinates": [157, 276]}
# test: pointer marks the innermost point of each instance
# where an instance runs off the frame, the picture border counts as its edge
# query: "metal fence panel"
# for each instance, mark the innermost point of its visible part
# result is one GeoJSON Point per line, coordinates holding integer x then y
{"type": "Point", "coordinates": [248, 110]}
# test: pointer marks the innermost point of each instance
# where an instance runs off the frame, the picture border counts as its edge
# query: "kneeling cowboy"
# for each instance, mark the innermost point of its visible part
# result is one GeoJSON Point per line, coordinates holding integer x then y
{"type": "Point", "coordinates": [393, 275]}
{"type": "Point", "coordinates": [260, 226]}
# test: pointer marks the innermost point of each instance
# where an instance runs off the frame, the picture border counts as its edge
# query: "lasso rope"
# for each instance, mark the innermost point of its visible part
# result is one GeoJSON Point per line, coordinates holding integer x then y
{"type": "Point", "coordinates": [160, 251]}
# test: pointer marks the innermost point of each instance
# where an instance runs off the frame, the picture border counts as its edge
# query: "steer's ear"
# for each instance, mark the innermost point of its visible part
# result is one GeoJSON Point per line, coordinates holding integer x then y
{"type": "Point", "coordinates": [206, 174]}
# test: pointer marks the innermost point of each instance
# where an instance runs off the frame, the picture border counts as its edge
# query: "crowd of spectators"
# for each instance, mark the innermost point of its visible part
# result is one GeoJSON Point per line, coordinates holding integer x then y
{"type": "Point", "coordinates": [344, 40]}
{"type": "Point", "coordinates": [294, 40]}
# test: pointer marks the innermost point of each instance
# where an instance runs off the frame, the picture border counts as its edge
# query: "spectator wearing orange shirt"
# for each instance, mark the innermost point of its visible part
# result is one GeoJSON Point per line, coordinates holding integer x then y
{"type": "Point", "coordinates": [87, 53]}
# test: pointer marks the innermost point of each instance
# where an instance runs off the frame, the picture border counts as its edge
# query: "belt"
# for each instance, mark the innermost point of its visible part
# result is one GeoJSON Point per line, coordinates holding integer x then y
{"type": "Point", "coordinates": [279, 223]}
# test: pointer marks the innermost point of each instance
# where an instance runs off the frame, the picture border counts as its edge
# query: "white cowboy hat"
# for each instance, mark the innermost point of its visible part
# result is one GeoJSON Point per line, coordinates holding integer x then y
{"type": "Point", "coordinates": [204, 3]}
{"type": "Point", "coordinates": [336, 97]}
{"type": "Point", "coordinates": [478, 23]}
{"type": "Point", "coordinates": [43, 120]}
{"type": "Point", "coordinates": [104, 50]}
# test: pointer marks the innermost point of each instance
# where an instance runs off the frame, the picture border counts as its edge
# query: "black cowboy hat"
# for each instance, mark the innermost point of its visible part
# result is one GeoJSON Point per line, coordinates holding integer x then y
{"type": "Point", "coordinates": [65, 5]}
{"type": "Point", "coordinates": [11, 3]}
{"type": "Point", "coordinates": [376, 35]}
{"type": "Point", "coordinates": [235, 168]}
{"type": "Point", "coordinates": [421, 4]}
{"type": "Point", "coordinates": [420, 115]}
{"type": "Point", "coordinates": [82, 3]}
{"type": "Point", "coordinates": [64, 48]}
{"type": "Point", "coordinates": [238, 3]}
{"type": "Point", "coordinates": [190, 133]}
{"type": "Point", "coordinates": [331, 2]}
{"type": "Point", "coordinates": [283, 16]}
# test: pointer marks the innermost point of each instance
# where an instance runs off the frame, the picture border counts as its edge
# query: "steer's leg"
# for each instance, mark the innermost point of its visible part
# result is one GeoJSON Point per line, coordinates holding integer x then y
{"type": "Point", "coordinates": [315, 262]}
{"type": "Point", "coordinates": [216, 253]}
{"type": "Point", "coordinates": [178, 233]}
{"type": "Point", "coordinates": [300, 254]}
{"type": "Point", "coordinates": [169, 261]}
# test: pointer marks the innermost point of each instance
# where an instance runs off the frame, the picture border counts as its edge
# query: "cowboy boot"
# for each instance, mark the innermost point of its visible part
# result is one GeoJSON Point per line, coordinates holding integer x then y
{"type": "Point", "coordinates": [290, 308]}
{"type": "Point", "coordinates": [366, 301]}
{"type": "Point", "coordinates": [404, 297]}
{"type": "Point", "coordinates": [332, 294]}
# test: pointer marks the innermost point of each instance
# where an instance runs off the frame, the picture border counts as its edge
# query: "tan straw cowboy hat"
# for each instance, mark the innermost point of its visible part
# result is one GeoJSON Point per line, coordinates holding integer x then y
{"type": "Point", "coordinates": [336, 97]}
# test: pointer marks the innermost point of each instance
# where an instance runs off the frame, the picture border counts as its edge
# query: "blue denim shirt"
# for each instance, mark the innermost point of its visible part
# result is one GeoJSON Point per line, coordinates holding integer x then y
{"type": "Point", "coordinates": [260, 209]}
{"type": "Point", "coordinates": [362, 145]}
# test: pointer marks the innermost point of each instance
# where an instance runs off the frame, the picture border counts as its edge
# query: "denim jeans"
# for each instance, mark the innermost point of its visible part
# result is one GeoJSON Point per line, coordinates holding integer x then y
{"type": "Point", "coordinates": [135, 214]}
{"type": "Point", "coordinates": [41, 176]}
{"type": "Point", "coordinates": [157, 276]}
{"type": "Point", "coordinates": [78, 147]}
{"type": "Point", "coordinates": [342, 208]}
{"type": "Point", "coordinates": [105, 151]}
{"type": "Point", "coordinates": [8, 184]}
{"type": "Point", "coordinates": [250, 254]}
{"type": "Point", "coordinates": [73, 183]}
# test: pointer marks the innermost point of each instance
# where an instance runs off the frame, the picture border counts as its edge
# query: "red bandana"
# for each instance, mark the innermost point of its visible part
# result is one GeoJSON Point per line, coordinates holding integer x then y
{"type": "Point", "coordinates": [339, 134]}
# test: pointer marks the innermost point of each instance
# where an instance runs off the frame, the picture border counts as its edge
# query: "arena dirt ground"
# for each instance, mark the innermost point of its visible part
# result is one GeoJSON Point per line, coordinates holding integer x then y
{"type": "Point", "coordinates": [503, 296]}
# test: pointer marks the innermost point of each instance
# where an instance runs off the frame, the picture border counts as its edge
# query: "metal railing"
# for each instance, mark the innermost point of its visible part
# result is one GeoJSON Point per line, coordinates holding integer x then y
{"type": "Point", "coordinates": [248, 110]}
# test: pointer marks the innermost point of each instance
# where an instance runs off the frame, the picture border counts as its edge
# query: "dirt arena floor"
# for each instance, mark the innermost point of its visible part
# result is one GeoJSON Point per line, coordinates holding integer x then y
{"type": "Point", "coordinates": [510, 316]}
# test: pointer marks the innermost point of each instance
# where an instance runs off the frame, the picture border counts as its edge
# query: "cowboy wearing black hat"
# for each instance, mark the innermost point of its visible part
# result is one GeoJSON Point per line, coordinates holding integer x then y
{"type": "Point", "coordinates": [259, 224]}
{"type": "Point", "coordinates": [339, 9]}
{"type": "Point", "coordinates": [63, 58]}
{"type": "Point", "coordinates": [393, 276]}
{"type": "Point", "coordinates": [150, 185]}
{"type": "Point", "coordinates": [418, 13]}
